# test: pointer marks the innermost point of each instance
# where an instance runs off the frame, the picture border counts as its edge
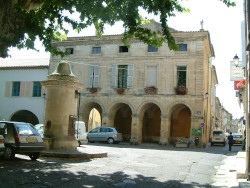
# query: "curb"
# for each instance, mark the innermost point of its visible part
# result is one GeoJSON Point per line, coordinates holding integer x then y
{"type": "Point", "coordinates": [73, 155]}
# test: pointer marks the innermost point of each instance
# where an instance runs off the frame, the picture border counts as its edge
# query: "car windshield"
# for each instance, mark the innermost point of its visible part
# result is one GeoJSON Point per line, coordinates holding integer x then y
{"type": "Point", "coordinates": [218, 133]}
{"type": "Point", "coordinates": [25, 129]}
{"type": "Point", "coordinates": [237, 136]}
{"type": "Point", "coordinates": [95, 130]}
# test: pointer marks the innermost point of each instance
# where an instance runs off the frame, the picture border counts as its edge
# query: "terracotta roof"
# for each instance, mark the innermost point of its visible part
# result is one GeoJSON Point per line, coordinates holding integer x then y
{"type": "Point", "coordinates": [24, 63]}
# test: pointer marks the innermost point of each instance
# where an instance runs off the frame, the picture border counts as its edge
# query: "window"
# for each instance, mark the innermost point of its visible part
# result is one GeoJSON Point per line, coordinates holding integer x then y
{"type": "Point", "coordinates": [181, 75]}
{"type": "Point", "coordinates": [182, 47]}
{"type": "Point", "coordinates": [152, 75]}
{"type": "Point", "coordinates": [95, 130]}
{"type": "Point", "coordinates": [94, 73]}
{"type": "Point", "coordinates": [15, 88]}
{"type": "Point", "coordinates": [152, 49]}
{"type": "Point", "coordinates": [70, 50]}
{"type": "Point", "coordinates": [96, 50]}
{"type": "Point", "coordinates": [104, 129]}
{"type": "Point", "coordinates": [37, 88]}
{"type": "Point", "coordinates": [123, 49]}
{"type": "Point", "coordinates": [122, 76]}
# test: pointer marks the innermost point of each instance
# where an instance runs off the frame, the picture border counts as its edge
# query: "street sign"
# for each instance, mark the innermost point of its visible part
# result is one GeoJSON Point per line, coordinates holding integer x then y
{"type": "Point", "coordinates": [202, 124]}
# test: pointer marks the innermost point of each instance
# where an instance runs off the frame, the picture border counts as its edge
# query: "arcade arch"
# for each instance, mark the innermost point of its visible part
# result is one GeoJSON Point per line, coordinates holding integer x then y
{"type": "Point", "coordinates": [121, 116]}
{"type": "Point", "coordinates": [150, 122]}
{"type": "Point", "coordinates": [25, 116]}
{"type": "Point", "coordinates": [92, 115]}
{"type": "Point", "coordinates": [180, 122]}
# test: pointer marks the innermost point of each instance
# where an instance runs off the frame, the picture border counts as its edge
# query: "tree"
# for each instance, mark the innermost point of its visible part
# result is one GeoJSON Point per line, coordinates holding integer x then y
{"type": "Point", "coordinates": [22, 21]}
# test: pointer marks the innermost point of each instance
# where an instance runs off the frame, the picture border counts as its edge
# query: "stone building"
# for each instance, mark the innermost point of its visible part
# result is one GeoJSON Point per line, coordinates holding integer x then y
{"type": "Point", "coordinates": [21, 94]}
{"type": "Point", "coordinates": [150, 94]}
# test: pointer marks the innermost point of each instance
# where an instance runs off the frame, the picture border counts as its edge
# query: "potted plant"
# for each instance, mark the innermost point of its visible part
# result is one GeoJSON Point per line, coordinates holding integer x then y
{"type": "Point", "coordinates": [120, 91]}
{"type": "Point", "coordinates": [93, 90]}
{"type": "Point", "coordinates": [150, 90]}
{"type": "Point", "coordinates": [181, 90]}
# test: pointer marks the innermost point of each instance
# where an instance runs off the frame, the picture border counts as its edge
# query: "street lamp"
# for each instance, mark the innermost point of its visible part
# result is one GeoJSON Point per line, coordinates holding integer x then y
{"type": "Point", "coordinates": [236, 60]}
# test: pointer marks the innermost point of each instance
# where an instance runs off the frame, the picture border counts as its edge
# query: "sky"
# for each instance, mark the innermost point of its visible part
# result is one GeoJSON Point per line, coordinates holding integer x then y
{"type": "Point", "coordinates": [223, 24]}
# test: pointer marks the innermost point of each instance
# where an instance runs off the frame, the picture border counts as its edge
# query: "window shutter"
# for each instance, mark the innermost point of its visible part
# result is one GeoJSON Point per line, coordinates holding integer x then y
{"type": "Point", "coordinates": [91, 72]}
{"type": "Point", "coordinates": [152, 76]}
{"type": "Point", "coordinates": [23, 87]}
{"type": "Point", "coordinates": [113, 75]}
{"type": "Point", "coordinates": [7, 89]}
{"type": "Point", "coordinates": [96, 76]}
{"type": "Point", "coordinates": [130, 79]}
{"type": "Point", "coordinates": [28, 92]}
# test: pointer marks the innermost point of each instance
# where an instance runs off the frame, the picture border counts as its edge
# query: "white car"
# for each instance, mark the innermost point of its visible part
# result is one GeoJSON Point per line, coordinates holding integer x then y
{"type": "Point", "coordinates": [218, 137]}
{"type": "Point", "coordinates": [80, 132]}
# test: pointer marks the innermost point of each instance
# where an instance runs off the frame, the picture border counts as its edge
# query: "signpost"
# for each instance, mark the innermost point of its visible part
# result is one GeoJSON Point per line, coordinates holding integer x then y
{"type": "Point", "coordinates": [202, 125]}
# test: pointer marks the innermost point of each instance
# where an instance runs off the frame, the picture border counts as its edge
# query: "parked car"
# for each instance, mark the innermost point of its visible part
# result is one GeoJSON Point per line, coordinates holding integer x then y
{"type": "Point", "coordinates": [238, 138]}
{"type": "Point", "coordinates": [20, 138]}
{"type": "Point", "coordinates": [218, 137]}
{"type": "Point", "coordinates": [80, 135]}
{"type": "Point", "coordinates": [105, 134]}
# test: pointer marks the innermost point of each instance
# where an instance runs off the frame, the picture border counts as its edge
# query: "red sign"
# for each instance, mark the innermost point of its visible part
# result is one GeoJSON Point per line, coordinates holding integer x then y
{"type": "Point", "coordinates": [239, 83]}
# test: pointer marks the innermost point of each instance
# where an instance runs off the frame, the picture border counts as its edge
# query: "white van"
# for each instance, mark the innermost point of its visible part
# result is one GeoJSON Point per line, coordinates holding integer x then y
{"type": "Point", "coordinates": [218, 137]}
{"type": "Point", "coordinates": [80, 133]}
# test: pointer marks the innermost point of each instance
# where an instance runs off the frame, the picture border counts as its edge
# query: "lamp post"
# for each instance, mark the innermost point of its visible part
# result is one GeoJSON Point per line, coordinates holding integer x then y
{"type": "Point", "coordinates": [236, 60]}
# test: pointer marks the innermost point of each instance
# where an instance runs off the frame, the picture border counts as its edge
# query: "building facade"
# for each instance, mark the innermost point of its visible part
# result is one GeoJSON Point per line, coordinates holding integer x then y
{"type": "Point", "coordinates": [21, 95]}
{"type": "Point", "coordinates": [150, 94]}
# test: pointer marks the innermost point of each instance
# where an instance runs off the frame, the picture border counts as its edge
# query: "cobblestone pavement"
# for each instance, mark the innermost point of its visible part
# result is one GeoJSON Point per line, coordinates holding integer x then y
{"type": "Point", "coordinates": [126, 166]}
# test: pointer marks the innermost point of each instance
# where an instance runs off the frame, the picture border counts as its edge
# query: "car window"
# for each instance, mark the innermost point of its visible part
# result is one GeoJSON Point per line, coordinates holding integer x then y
{"type": "Point", "coordinates": [104, 129]}
{"type": "Point", "coordinates": [218, 133]}
{"type": "Point", "coordinates": [39, 128]}
{"type": "Point", "coordinates": [95, 130]}
{"type": "Point", "coordinates": [25, 129]}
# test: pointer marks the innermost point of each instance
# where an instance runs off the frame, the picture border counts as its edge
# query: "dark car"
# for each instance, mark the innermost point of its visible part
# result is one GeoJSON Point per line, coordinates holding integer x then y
{"type": "Point", "coordinates": [105, 134]}
{"type": "Point", "coordinates": [238, 138]}
{"type": "Point", "coordinates": [20, 138]}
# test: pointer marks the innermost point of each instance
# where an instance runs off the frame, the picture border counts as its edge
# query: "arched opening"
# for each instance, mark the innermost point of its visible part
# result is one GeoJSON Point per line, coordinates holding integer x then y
{"type": "Point", "coordinates": [122, 119]}
{"type": "Point", "coordinates": [180, 122]}
{"type": "Point", "coordinates": [151, 123]}
{"type": "Point", "coordinates": [25, 116]}
{"type": "Point", "coordinates": [92, 115]}
{"type": "Point", "coordinates": [94, 118]}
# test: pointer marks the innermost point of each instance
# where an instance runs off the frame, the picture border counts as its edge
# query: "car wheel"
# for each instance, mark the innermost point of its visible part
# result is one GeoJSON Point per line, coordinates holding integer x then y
{"type": "Point", "coordinates": [34, 156]}
{"type": "Point", "coordinates": [9, 153]}
{"type": "Point", "coordinates": [110, 140]}
{"type": "Point", "coordinates": [79, 143]}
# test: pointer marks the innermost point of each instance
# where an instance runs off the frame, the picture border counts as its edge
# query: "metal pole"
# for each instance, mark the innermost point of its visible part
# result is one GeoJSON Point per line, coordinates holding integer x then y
{"type": "Point", "coordinates": [78, 111]}
{"type": "Point", "coordinates": [247, 93]}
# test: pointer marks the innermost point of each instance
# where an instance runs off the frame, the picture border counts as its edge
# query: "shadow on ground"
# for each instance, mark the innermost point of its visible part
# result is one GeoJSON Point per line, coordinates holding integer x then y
{"type": "Point", "coordinates": [23, 173]}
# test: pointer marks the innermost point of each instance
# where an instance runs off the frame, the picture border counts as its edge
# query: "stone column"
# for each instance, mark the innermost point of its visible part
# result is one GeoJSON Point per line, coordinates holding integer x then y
{"type": "Point", "coordinates": [61, 108]}
{"type": "Point", "coordinates": [136, 131]}
{"type": "Point", "coordinates": [105, 120]}
{"type": "Point", "coordinates": [164, 131]}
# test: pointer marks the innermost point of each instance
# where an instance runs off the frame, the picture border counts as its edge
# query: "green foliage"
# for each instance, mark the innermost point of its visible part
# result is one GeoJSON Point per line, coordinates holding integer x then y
{"type": "Point", "coordinates": [23, 21]}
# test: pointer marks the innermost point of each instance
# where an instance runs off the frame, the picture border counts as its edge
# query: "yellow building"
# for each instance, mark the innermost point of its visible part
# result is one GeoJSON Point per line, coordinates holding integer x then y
{"type": "Point", "coordinates": [150, 94]}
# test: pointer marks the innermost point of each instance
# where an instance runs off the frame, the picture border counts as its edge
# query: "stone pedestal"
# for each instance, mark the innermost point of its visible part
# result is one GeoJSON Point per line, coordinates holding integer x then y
{"type": "Point", "coordinates": [61, 108]}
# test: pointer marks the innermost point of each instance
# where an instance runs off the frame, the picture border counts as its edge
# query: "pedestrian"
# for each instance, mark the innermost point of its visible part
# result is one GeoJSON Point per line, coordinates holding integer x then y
{"type": "Point", "coordinates": [230, 139]}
